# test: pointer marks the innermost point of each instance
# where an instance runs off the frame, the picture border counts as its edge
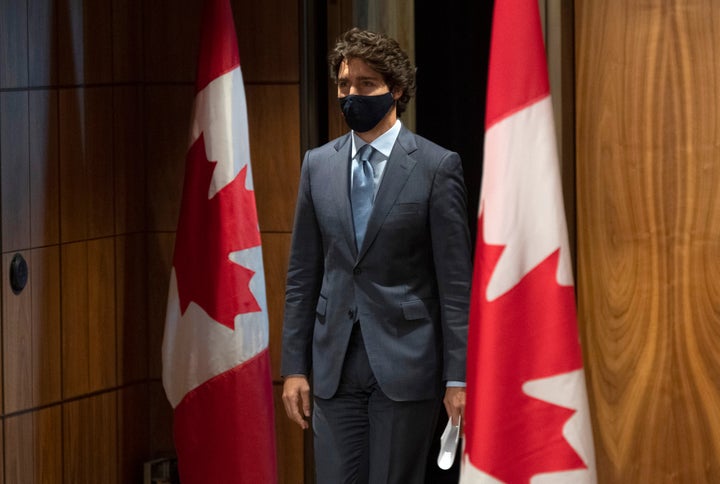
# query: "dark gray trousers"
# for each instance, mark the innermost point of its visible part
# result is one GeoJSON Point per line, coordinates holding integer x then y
{"type": "Point", "coordinates": [363, 437]}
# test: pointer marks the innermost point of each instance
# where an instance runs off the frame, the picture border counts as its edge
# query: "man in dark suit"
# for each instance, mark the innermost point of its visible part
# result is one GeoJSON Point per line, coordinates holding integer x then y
{"type": "Point", "coordinates": [378, 281]}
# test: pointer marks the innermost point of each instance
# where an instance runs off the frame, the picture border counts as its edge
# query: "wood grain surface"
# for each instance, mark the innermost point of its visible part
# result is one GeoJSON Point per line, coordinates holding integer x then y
{"type": "Point", "coordinates": [95, 105]}
{"type": "Point", "coordinates": [648, 223]}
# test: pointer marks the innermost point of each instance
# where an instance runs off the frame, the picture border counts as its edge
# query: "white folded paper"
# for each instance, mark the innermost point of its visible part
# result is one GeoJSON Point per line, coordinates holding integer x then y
{"type": "Point", "coordinates": [448, 444]}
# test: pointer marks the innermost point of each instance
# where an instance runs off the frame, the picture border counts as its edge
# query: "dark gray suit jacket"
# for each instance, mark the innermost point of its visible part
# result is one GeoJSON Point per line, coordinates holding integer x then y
{"type": "Point", "coordinates": [408, 285]}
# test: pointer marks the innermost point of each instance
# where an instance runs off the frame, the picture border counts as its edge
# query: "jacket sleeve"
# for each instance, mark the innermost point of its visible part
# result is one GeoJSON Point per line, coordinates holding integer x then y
{"type": "Point", "coordinates": [452, 259]}
{"type": "Point", "coordinates": [304, 279]}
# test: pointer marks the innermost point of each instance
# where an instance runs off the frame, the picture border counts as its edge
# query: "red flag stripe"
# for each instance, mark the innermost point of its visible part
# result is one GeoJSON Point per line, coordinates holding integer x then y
{"type": "Point", "coordinates": [518, 70]}
{"type": "Point", "coordinates": [234, 412]}
{"type": "Point", "coordinates": [218, 44]}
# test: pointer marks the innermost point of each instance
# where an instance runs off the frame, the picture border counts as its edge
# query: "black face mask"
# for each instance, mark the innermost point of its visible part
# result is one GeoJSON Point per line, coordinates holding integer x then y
{"type": "Point", "coordinates": [363, 113]}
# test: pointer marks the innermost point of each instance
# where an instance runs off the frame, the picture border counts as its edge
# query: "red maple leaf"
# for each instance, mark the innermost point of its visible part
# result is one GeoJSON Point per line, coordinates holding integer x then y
{"type": "Point", "coordinates": [528, 333]}
{"type": "Point", "coordinates": [208, 231]}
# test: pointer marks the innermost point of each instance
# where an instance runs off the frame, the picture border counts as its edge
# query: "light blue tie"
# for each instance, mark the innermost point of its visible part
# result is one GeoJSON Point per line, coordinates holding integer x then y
{"type": "Point", "coordinates": [361, 195]}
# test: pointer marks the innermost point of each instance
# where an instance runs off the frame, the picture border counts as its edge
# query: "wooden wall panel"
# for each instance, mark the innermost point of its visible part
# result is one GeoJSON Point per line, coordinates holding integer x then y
{"type": "Point", "coordinates": [165, 151]}
{"type": "Point", "coordinates": [131, 308]}
{"type": "Point", "coordinates": [33, 443]}
{"type": "Point", "coordinates": [171, 30]}
{"type": "Point", "coordinates": [20, 458]}
{"type": "Point", "coordinates": [127, 45]}
{"type": "Point", "coordinates": [290, 444]}
{"type": "Point", "coordinates": [160, 248]}
{"type": "Point", "coordinates": [2, 450]}
{"type": "Point", "coordinates": [274, 112]}
{"type": "Point", "coordinates": [13, 44]}
{"type": "Point", "coordinates": [42, 42]}
{"type": "Point", "coordinates": [90, 440]}
{"type": "Point", "coordinates": [88, 314]}
{"type": "Point", "coordinates": [16, 344]}
{"type": "Point", "coordinates": [648, 209]}
{"type": "Point", "coordinates": [48, 445]}
{"type": "Point", "coordinates": [31, 330]}
{"type": "Point", "coordinates": [161, 423]}
{"type": "Point", "coordinates": [276, 251]}
{"type": "Point", "coordinates": [15, 170]}
{"type": "Point", "coordinates": [129, 163]}
{"type": "Point", "coordinates": [45, 360]}
{"type": "Point", "coordinates": [84, 42]}
{"type": "Point", "coordinates": [75, 340]}
{"type": "Point", "coordinates": [268, 39]}
{"type": "Point", "coordinates": [29, 169]}
{"type": "Point", "coordinates": [86, 169]}
{"type": "Point", "coordinates": [44, 168]}
{"type": "Point", "coordinates": [101, 312]}
{"type": "Point", "coordinates": [133, 432]}
{"type": "Point", "coordinates": [96, 100]}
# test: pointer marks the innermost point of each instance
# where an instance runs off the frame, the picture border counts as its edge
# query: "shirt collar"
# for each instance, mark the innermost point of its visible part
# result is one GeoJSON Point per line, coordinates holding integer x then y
{"type": "Point", "coordinates": [383, 143]}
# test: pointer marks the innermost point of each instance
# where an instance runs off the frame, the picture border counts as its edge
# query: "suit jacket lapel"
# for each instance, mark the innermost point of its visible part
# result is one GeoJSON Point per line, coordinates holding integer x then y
{"type": "Point", "coordinates": [398, 169]}
{"type": "Point", "coordinates": [340, 184]}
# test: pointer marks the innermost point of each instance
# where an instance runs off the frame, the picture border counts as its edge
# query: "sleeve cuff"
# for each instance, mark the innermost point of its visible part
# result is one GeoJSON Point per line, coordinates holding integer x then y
{"type": "Point", "coordinates": [453, 383]}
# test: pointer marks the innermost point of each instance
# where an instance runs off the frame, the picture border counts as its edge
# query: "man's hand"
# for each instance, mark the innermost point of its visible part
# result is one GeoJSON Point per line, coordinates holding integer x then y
{"type": "Point", "coordinates": [454, 403]}
{"type": "Point", "coordinates": [296, 398]}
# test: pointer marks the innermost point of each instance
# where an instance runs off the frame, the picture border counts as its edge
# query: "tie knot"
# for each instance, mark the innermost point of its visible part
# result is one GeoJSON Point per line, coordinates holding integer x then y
{"type": "Point", "coordinates": [366, 152]}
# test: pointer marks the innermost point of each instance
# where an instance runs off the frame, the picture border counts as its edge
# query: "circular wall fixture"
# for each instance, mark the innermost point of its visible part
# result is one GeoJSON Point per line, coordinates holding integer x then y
{"type": "Point", "coordinates": [18, 273]}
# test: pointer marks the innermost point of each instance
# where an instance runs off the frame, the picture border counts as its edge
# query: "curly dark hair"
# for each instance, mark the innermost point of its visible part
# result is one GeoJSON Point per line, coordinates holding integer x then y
{"type": "Point", "coordinates": [381, 53]}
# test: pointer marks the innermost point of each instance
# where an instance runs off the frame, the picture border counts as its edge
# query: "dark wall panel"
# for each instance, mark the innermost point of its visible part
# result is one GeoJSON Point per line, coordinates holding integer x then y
{"type": "Point", "coordinates": [451, 49]}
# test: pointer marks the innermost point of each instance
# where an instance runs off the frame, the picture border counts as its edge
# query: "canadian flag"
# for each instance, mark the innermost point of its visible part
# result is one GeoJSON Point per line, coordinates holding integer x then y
{"type": "Point", "coordinates": [216, 369]}
{"type": "Point", "coordinates": [527, 418]}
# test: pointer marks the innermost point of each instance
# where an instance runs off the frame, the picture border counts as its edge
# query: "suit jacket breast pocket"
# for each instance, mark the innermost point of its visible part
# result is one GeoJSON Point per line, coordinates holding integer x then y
{"type": "Point", "coordinates": [406, 209]}
{"type": "Point", "coordinates": [404, 215]}
{"type": "Point", "coordinates": [407, 223]}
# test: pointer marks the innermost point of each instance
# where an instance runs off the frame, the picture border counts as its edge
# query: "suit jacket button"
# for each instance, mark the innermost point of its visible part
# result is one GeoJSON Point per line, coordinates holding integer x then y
{"type": "Point", "coordinates": [350, 314]}
{"type": "Point", "coordinates": [357, 271]}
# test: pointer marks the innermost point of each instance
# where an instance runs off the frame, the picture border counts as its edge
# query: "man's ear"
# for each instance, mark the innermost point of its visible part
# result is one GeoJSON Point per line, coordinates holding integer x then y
{"type": "Point", "coordinates": [397, 93]}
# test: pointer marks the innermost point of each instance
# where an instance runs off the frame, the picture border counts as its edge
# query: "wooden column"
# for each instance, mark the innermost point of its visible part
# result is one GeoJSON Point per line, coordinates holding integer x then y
{"type": "Point", "coordinates": [648, 218]}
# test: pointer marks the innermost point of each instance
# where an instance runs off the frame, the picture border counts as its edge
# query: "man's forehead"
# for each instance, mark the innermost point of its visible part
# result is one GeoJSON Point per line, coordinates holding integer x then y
{"type": "Point", "coordinates": [358, 68]}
